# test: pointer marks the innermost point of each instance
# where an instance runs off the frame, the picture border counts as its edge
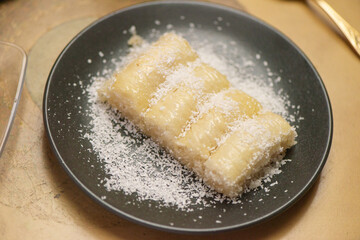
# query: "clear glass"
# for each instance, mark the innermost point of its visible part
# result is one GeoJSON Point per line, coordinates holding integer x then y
{"type": "Point", "coordinates": [12, 74]}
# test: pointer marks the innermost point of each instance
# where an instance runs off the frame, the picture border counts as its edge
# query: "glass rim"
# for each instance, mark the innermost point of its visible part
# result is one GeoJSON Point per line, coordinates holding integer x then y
{"type": "Point", "coordinates": [16, 99]}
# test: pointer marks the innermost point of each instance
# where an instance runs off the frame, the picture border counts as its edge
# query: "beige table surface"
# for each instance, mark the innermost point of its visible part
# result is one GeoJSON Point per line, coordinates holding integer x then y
{"type": "Point", "coordinates": [39, 201]}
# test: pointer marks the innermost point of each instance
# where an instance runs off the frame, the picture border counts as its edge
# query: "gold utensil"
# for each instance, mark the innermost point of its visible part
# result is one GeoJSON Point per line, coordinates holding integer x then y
{"type": "Point", "coordinates": [349, 32]}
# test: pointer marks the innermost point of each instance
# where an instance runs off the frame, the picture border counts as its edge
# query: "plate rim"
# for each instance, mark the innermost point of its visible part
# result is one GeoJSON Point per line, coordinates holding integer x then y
{"type": "Point", "coordinates": [185, 230]}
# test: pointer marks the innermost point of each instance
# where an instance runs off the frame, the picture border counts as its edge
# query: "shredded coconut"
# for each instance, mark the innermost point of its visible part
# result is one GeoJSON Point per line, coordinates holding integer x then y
{"type": "Point", "coordinates": [182, 74]}
{"type": "Point", "coordinates": [135, 164]}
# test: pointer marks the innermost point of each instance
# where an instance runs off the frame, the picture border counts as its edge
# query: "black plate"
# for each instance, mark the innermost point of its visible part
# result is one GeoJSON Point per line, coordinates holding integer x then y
{"type": "Point", "coordinates": [64, 97]}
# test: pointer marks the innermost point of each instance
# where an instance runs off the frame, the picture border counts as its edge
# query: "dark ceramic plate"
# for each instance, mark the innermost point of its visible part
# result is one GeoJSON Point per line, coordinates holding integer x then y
{"type": "Point", "coordinates": [64, 97]}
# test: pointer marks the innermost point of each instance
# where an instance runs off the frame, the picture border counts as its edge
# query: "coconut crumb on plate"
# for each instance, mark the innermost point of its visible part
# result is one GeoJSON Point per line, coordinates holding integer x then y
{"type": "Point", "coordinates": [136, 164]}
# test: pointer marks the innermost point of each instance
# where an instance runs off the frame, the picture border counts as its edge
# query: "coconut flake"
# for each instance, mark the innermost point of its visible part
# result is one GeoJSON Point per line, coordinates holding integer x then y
{"type": "Point", "coordinates": [135, 164]}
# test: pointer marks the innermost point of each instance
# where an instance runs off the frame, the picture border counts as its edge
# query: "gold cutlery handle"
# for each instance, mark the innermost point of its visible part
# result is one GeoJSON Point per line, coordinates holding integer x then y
{"type": "Point", "coordinates": [350, 32]}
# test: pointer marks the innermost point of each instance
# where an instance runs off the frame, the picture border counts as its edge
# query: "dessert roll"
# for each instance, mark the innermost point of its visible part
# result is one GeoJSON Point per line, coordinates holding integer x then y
{"type": "Point", "coordinates": [166, 118]}
{"type": "Point", "coordinates": [190, 109]}
{"type": "Point", "coordinates": [131, 89]}
{"type": "Point", "coordinates": [249, 147]}
{"type": "Point", "coordinates": [195, 145]}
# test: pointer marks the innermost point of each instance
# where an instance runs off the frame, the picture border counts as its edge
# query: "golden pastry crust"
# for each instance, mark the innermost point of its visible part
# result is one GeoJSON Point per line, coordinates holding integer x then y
{"type": "Point", "coordinates": [130, 90]}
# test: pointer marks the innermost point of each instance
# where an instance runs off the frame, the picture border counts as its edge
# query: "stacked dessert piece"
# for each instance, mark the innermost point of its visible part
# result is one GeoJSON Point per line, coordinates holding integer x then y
{"type": "Point", "coordinates": [190, 108]}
